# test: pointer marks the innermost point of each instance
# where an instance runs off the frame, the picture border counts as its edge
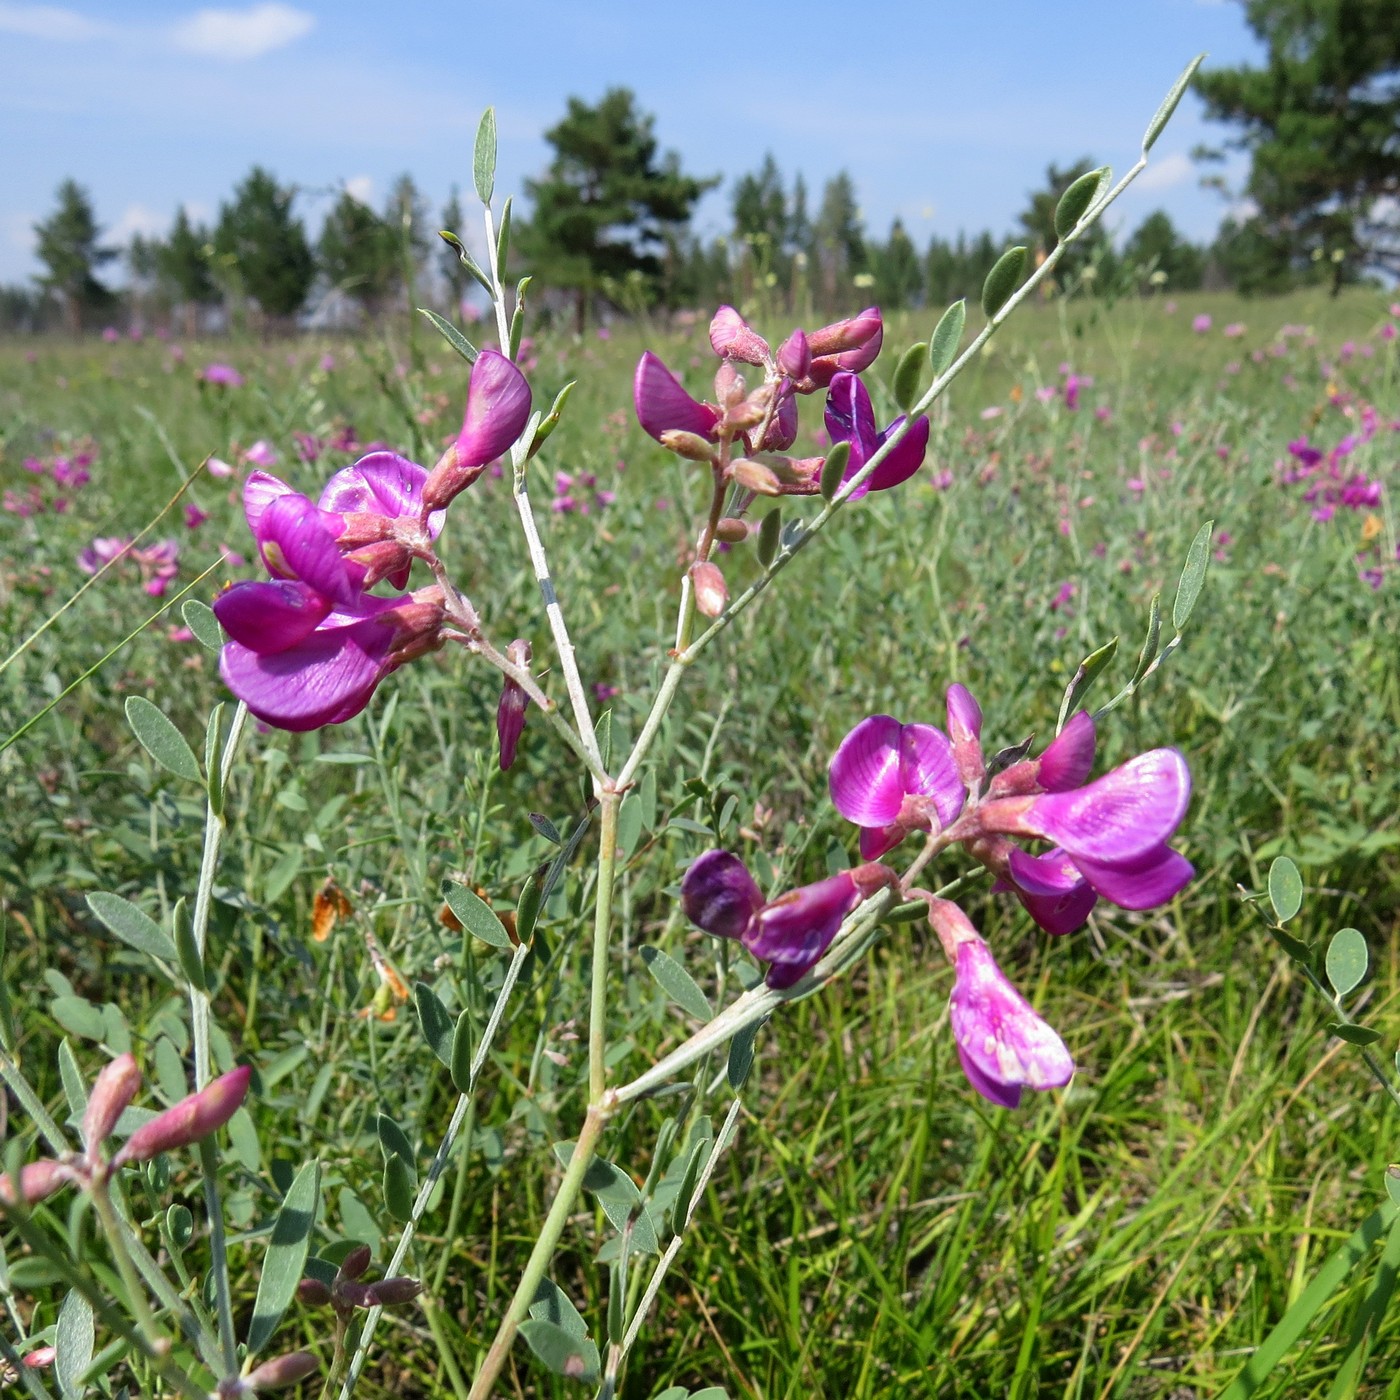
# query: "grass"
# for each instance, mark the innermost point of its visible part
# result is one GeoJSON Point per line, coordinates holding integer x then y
{"type": "Point", "coordinates": [875, 1230]}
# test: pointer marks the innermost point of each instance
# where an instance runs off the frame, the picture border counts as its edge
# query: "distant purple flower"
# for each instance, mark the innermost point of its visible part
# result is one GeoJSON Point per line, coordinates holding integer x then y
{"type": "Point", "coordinates": [1234, 330]}
{"type": "Point", "coordinates": [260, 454]}
{"type": "Point", "coordinates": [221, 374]}
{"type": "Point", "coordinates": [850, 418]}
{"type": "Point", "coordinates": [891, 778]}
{"type": "Point", "coordinates": [102, 551]}
{"type": "Point", "coordinates": [110, 335]}
{"type": "Point", "coordinates": [791, 932]}
{"type": "Point", "coordinates": [1202, 323]}
{"type": "Point", "coordinates": [194, 517]}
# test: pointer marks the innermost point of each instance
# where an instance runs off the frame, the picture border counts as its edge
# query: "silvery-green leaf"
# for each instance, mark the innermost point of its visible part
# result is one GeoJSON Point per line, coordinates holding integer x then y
{"type": "Point", "coordinates": [159, 737]}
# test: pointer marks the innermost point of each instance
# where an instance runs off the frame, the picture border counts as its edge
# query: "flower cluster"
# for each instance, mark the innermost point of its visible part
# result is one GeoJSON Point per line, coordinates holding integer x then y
{"type": "Point", "coordinates": [60, 475]}
{"type": "Point", "coordinates": [309, 645]}
{"type": "Point", "coordinates": [1103, 839]}
{"type": "Point", "coordinates": [158, 563]}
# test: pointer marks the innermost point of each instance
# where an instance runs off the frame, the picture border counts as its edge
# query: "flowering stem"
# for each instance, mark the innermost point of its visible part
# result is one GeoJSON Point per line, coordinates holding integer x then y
{"type": "Point", "coordinates": [444, 1152]}
{"type": "Point", "coordinates": [602, 926]}
{"type": "Point", "coordinates": [101, 1199]}
{"type": "Point", "coordinates": [218, 1251]}
{"type": "Point", "coordinates": [543, 1251]}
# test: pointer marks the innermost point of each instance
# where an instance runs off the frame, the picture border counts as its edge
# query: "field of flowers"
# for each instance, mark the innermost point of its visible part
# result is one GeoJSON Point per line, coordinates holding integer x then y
{"type": "Point", "coordinates": [875, 1228]}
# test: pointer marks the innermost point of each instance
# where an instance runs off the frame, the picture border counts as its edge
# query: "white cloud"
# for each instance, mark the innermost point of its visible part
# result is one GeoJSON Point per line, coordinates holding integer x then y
{"type": "Point", "coordinates": [1163, 174]}
{"type": "Point", "coordinates": [242, 33]}
{"type": "Point", "coordinates": [360, 187]}
{"type": "Point", "coordinates": [48, 22]}
{"type": "Point", "coordinates": [137, 218]}
{"type": "Point", "coordinates": [19, 230]}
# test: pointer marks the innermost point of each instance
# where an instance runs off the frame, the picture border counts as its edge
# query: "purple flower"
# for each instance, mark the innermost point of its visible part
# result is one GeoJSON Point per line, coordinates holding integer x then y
{"type": "Point", "coordinates": [510, 713]}
{"type": "Point", "coordinates": [1201, 324]}
{"type": "Point", "coordinates": [663, 405]}
{"type": "Point", "coordinates": [791, 932]}
{"type": "Point", "coordinates": [891, 778]}
{"type": "Point", "coordinates": [850, 418]}
{"type": "Point", "coordinates": [498, 407]}
{"type": "Point", "coordinates": [1003, 1045]}
{"type": "Point", "coordinates": [191, 1120]}
{"type": "Point", "coordinates": [224, 375]}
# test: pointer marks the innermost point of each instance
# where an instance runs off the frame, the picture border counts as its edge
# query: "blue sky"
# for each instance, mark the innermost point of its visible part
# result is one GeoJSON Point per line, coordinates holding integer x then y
{"type": "Point", "coordinates": [946, 113]}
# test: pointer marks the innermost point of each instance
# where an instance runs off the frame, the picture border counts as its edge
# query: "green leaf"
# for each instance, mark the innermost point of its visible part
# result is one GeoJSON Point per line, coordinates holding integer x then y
{"type": "Point", "coordinates": [677, 983]}
{"type": "Point", "coordinates": [619, 1197]}
{"type": "Point", "coordinates": [74, 1088]}
{"type": "Point", "coordinates": [186, 950]}
{"type": "Point", "coordinates": [433, 1021]}
{"type": "Point", "coordinates": [78, 1016]}
{"type": "Point", "coordinates": [908, 375]}
{"type": "Point", "coordinates": [484, 157]}
{"type": "Point", "coordinates": [552, 1305]}
{"type": "Point", "coordinates": [1392, 1183]}
{"type": "Point", "coordinates": [462, 1050]}
{"type": "Point", "coordinates": [769, 533]}
{"type": "Point", "coordinates": [133, 926]}
{"type": "Point", "coordinates": [907, 913]}
{"type": "Point", "coordinates": [629, 823]}
{"type": "Point", "coordinates": [1084, 676]}
{"type": "Point", "coordinates": [1352, 1033]}
{"type": "Point", "coordinates": [564, 1355]}
{"type": "Point", "coordinates": [179, 1223]}
{"type": "Point", "coordinates": [478, 918]}
{"type": "Point", "coordinates": [451, 334]}
{"type": "Point", "coordinates": [213, 755]}
{"type": "Point", "coordinates": [1347, 960]}
{"type": "Point", "coordinates": [710, 1392]}
{"type": "Point", "coordinates": [1285, 889]}
{"type": "Point", "coordinates": [741, 1055]}
{"type": "Point", "coordinates": [551, 419]}
{"type": "Point", "coordinates": [503, 241]}
{"type": "Point", "coordinates": [833, 472]}
{"type": "Point", "coordinates": [527, 909]}
{"type": "Point", "coordinates": [699, 1151]}
{"type": "Point", "coordinates": [286, 1255]}
{"type": "Point", "coordinates": [1150, 643]}
{"type": "Point", "coordinates": [1075, 201]}
{"type": "Point", "coordinates": [1003, 280]}
{"type": "Point", "coordinates": [1164, 113]}
{"type": "Point", "coordinates": [1193, 577]}
{"type": "Point", "coordinates": [947, 336]}
{"type": "Point", "coordinates": [159, 737]}
{"type": "Point", "coordinates": [545, 827]}
{"type": "Point", "coordinates": [399, 1189]}
{"type": "Point", "coordinates": [393, 1141]}
{"type": "Point", "coordinates": [199, 618]}
{"type": "Point", "coordinates": [356, 1219]}
{"type": "Point", "coordinates": [467, 261]}
{"type": "Point", "coordinates": [602, 732]}
{"type": "Point", "coordinates": [72, 1344]}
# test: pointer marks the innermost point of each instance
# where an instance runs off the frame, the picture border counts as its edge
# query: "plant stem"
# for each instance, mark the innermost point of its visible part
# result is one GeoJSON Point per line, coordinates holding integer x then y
{"type": "Point", "coordinates": [156, 1340]}
{"type": "Point", "coordinates": [543, 1251]}
{"type": "Point", "coordinates": [602, 927]}
{"type": "Point", "coordinates": [218, 1250]}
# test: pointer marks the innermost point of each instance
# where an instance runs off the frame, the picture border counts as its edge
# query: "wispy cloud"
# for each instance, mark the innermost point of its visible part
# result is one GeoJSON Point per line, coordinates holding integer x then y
{"type": "Point", "coordinates": [240, 34]}
{"type": "Point", "coordinates": [49, 22]}
{"type": "Point", "coordinates": [1175, 169]}
{"type": "Point", "coordinates": [360, 187]}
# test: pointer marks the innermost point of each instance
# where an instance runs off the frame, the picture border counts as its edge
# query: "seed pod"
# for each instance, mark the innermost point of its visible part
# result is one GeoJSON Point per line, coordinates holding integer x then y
{"type": "Point", "coordinates": [731, 530]}
{"type": "Point", "coordinates": [711, 595]}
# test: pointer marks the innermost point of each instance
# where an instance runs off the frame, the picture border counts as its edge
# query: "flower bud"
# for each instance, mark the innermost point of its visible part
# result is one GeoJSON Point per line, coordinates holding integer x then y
{"type": "Point", "coordinates": [394, 1292]}
{"type": "Point", "coordinates": [41, 1356]}
{"type": "Point", "coordinates": [732, 338]}
{"type": "Point", "coordinates": [795, 355]}
{"type": "Point", "coordinates": [313, 1293]}
{"type": "Point", "coordinates": [417, 625]}
{"type": "Point", "coordinates": [383, 559]}
{"type": "Point", "coordinates": [191, 1120]}
{"type": "Point", "coordinates": [349, 1294]}
{"type": "Point", "coordinates": [37, 1182]}
{"type": "Point", "coordinates": [729, 387]}
{"type": "Point", "coordinates": [362, 527]}
{"type": "Point", "coordinates": [355, 1263]}
{"type": "Point", "coordinates": [731, 530]}
{"type": "Point", "coordinates": [711, 595]}
{"type": "Point", "coordinates": [282, 1371]}
{"type": "Point", "coordinates": [687, 444]}
{"type": "Point", "coordinates": [113, 1090]}
{"type": "Point", "coordinates": [754, 476]}
{"type": "Point", "coordinates": [449, 477]}
{"type": "Point", "coordinates": [510, 713]}
{"type": "Point", "coordinates": [965, 730]}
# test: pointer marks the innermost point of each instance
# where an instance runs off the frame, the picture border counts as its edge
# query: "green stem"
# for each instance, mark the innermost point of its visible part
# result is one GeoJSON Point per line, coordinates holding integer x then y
{"type": "Point", "coordinates": [156, 1340]}
{"type": "Point", "coordinates": [543, 1251]}
{"type": "Point", "coordinates": [218, 1250]}
{"type": "Point", "coordinates": [602, 927]}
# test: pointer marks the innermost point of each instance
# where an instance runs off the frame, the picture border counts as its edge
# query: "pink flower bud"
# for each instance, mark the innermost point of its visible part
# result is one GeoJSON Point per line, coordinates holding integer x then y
{"type": "Point", "coordinates": [313, 1293]}
{"type": "Point", "coordinates": [191, 1120]}
{"type": "Point", "coordinates": [37, 1182]}
{"type": "Point", "coordinates": [41, 1356]}
{"type": "Point", "coordinates": [384, 559]}
{"type": "Point", "coordinates": [662, 402]}
{"type": "Point", "coordinates": [282, 1371]}
{"type": "Point", "coordinates": [498, 407]}
{"type": "Point", "coordinates": [795, 355]}
{"type": "Point", "coordinates": [711, 595]}
{"type": "Point", "coordinates": [394, 1292]}
{"type": "Point", "coordinates": [732, 338]}
{"type": "Point", "coordinates": [965, 730]}
{"type": "Point", "coordinates": [754, 476]}
{"type": "Point", "coordinates": [687, 444]}
{"type": "Point", "coordinates": [355, 1263]}
{"type": "Point", "coordinates": [510, 713]}
{"type": "Point", "coordinates": [114, 1089]}
{"type": "Point", "coordinates": [849, 345]}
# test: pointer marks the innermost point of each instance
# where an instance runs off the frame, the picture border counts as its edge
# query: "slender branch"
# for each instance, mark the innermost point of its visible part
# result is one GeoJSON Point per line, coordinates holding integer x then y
{"type": "Point", "coordinates": [602, 927]}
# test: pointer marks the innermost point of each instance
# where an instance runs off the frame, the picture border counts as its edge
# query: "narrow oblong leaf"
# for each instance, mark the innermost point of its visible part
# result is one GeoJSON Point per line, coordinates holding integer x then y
{"type": "Point", "coordinates": [527, 909]}
{"type": "Point", "coordinates": [1353, 1034]}
{"type": "Point", "coordinates": [908, 374]}
{"type": "Point", "coordinates": [1003, 280]}
{"type": "Point", "coordinates": [769, 533]}
{"type": "Point", "coordinates": [186, 949]}
{"type": "Point", "coordinates": [618, 1196]}
{"type": "Point", "coordinates": [1151, 643]}
{"type": "Point", "coordinates": [199, 618]}
{"type": "Point", "coordinates": [1084, 676]}
{"type": "Point", "coordinates": [474, 268]}
{"type": "Point", "coordinates": [159, 737]}
{"type": "Point", "coordinates": [677, 983]}
{"type": "Point", "coordinates": [434, 1021]}
{"type": "Point", "coordinates": [133, 926]}
{"type": "Point", "coordinates": [545, 827]}
{"type": "Point", "coordinates": [947, 336]}
{"type": "Point", "coordinates": [398, 1189]}
{"type": "Point", "coordinates": [484, 156]}
{"type": "Point", "coordinates": [564, 1355]}
{"type": "Point", "coordinates": [1347, 960]}
{"type": "Point", "coordinates": [286, 1255]}
{"type": "Point", "coordinates": [551, 419]}
{"type": "Point", "coordinates": [1078, 198]}
{"type": "Point", "coordinates": [1285, 889]}
{"type": "Point", "coordinates": [834, 470]}
{"type": "Point", "coordinates": [462, 1048]}
{"type": "Point", "coordinates": [907, 913]}
{"type": "Point", "coordinates": [1193, 577]}
{"type": "Point", "coordinates": [552, 1304]}
{"type": "Point", "coordinates": [1163, 113]}
{"type": "Point", "coordinates": [393, 1141]}
{"type": "Point", "coordinates": [602, 732]}
{"type": "Point", "coordinates": [477, 917]}
{"type": "Point", "coordinates": [503, 238]}
{"type": "Point", "coordinates": [214, 733]}
{"type": "Point", "coordinates": [741, 1055]}
{"type": "Point", "coordinates": [451, 334]}
{"type": "Point", "coordinates": [73, 1343]}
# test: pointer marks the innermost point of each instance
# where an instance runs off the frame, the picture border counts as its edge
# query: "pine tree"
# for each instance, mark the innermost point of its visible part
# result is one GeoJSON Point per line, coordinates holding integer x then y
{"type": "Point", "coordinates": [69, 246]}
{"type": "Point", "coordinates": [839, 242]}
{"type": "Point", "coordinates": [265, 246]}
{"type": "Point", "coordinates": [358, 253]}
{"type": "Point", "coordinates": [183, 262]}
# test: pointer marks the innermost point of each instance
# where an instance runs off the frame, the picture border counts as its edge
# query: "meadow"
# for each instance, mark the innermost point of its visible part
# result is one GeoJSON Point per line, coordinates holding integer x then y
{"type": "Point", "coordinates": [875, 1229]}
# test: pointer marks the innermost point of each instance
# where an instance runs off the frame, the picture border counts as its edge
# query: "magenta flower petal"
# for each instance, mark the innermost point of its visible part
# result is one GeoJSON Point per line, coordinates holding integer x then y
{"type": "Point", "coordinates": [1003, 1095]}
{"type": "Point", "coordinates": [850, 418]}
{"type": "Point", "coordinates": [1126, 813]}
{"type": "Point", "coordinates": [498, 407]}
{"type": "Point", "coordinates": [864, 776]}
{"type": "Point", "coordinates": [1144, 882]}
{"type": "Point", "coordinates": [999, 1033]}
{"type": "Point", "coordinates": [1053, 891]}
{"type": "Point", "coordinates": [1069, 758]}
{"type": "Point", "coordinates": [381, 483]}
{"type": "Point", "coordinates": [272, 616]}
{"type": "Point", "coordinates": [719, 895]}
{"type": "Point", "coordinates": [732, 338]}
{"type": "Point", "coordinates": [876, 841]}
{"type": "Point", "coordinates": [662, 402]}
{"type": "Point", "coordinates": [927, 769]}
{"type": "Point", "coordinates": [782, 431]}
{"type": "Point", "coordinates": [296, 544]}
{"type": "Point", "coordinates": [905, 457]}
{"type": "Point", "coordinates": [259, 491]}
{"type": "Point", "coordinates": [964, 715]}
{"type": "Point", "coordinates": [797, 928]}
